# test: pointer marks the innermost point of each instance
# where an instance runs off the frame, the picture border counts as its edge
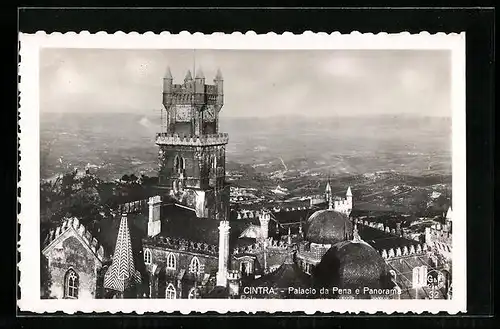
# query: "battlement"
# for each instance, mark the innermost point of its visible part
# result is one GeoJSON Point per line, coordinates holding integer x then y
{"type": "Point", "coordinates": [438, 233]}
{"type": "Point", "coordinates": [133, 206]}
{"type": "Point", "coordinates": [248, 214]}
{"type": "Point", "coordinates": [417, 249]}
{"type": "Point", "coordinates": [74, 224]}
{"type": "Point", "coordinates": [182, 96]}
{"type": "Point", "coordinates": [233, 275]}
{"type": "Point", "coordinates": [258, 247]}
{"type": "Point", "coordinates": [182, 244]}
{"type": "Point", "coordinates": [384, 228]}
{"type": "Point", "coordinates": [154, 200]}
{"type": "Point", "coordinates": [193, 91]}
{"type": "Point", "coordinates": [314, 253]}
{"type": "Point", "coordinates": [203, 140]}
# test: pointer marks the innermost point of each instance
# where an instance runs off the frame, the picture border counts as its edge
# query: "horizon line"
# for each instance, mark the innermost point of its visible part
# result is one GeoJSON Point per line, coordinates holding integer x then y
{"type": "Point", "coordinates": [273, 116]}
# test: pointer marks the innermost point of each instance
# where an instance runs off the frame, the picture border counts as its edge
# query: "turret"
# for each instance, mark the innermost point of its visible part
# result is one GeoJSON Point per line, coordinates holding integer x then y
{"type": "Point", "coordinates": [449, 215]}
{"type": "Point", "coordinates": [188, 77]}
{"type": "Point", "coordinates": [349, 195]}
{"type": "Point", "coordinates": [328, 191]}
{"type": "Point", "coordinates": [167, 81]}
{"type": "Point", "coordinates": [264, 218]}
{"type": "Point", "coordinates": [199, 86]}
{"type": "Point", "coordinates": [219, 83]}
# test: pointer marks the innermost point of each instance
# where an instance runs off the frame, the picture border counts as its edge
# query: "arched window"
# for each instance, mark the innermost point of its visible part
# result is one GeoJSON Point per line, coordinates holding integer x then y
{"type": "Point", "coordinates": [179, 163]}
{"type": "Point", "coordinates": [171, 264]}
{"type": "Point", "coordinates": [148, 257]}
{"type": "Point", "coordinates": [170, 292]}
{"type": "Point", "coordinates": [308, 268]}
{"type": "Point", "coordinates": [194, 293]}
{"type": "Point", "coordinates": [194, 267]}
{"type": "Point", "coordinates": [176, 162]}
{"type": "Point", "coordinates": [71, 284]}
{"type": "Point", "coordinates": [214, 162]}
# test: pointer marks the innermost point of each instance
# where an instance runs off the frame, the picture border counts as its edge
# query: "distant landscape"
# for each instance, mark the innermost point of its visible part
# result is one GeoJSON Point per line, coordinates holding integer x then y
{"type": "Point", "coordinates": [124, 143]}
{"type": "Point", "coordinates": [398, 163]}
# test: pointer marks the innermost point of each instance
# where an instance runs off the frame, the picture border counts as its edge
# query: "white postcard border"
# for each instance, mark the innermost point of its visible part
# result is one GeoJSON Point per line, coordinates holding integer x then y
{"type": "Point", "coordinates": [29, 245]}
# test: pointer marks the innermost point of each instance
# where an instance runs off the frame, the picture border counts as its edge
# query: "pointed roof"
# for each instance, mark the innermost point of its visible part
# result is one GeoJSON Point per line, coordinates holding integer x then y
{"type": "Point", "coordinates": [349, 192]}
{"type": "Point", "coordinates": [355, 234]}
{"type": "Point", "coordinates": [449, 214]}
{"type": "Point", "coordinates": [328, 188]}
{"type": "Point", "coordinates": [122, 273]}
{"type": "Point", "coordinates": [199, 74]}
{"type": "Point", "coordinates": [218, 76]}
{"type": "Point", "coordinates": [188, 76]}
{"type": "Point", "coordinates": [168, 74]}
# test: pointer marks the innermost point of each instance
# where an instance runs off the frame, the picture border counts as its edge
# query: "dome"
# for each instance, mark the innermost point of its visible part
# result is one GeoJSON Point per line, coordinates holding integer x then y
{"type": "Point", "coordinates": [328, 227]}
{"type": "Point", "coordinates": [352, 264]}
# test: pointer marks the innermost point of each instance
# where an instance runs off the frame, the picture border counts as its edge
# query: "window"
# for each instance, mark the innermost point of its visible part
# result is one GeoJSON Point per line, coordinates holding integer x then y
{"type": "Point", "coordinates": [246, 268]}
{"type": "Point", "coordinates": [170, 292]}
{"type": "Point", "coordinates": [194, 267]}
{"type": "Point", "coordinates": [71, 284]}
{"type": "Point", "coordinates": [178, 163]}
{"type": "Point", "coordinates": [194, 293]}
{"type": "Point", "coordinates": [308, 268]}
{"type": "Point", "coordinates": [171, 262]}
{"type": "Point", "coordinates": [148, 257]}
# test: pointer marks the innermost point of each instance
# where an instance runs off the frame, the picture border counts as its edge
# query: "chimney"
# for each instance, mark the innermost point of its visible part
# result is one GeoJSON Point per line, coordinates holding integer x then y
{"type": "Point", "coordinates": [222, 272]}
{"type": "Point", "coordinates": [264, 218]}
{"type": "Point", "coordinates": [154, 221]}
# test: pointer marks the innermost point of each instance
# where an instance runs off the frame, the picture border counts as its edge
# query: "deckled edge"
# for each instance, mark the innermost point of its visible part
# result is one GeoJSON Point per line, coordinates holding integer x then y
{"type": "Point", "coordinates": [29, 239]}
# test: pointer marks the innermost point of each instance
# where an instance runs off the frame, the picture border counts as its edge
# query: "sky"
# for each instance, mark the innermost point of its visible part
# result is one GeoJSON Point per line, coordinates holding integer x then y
{"type": "Point", "coordinates": [257, 83]}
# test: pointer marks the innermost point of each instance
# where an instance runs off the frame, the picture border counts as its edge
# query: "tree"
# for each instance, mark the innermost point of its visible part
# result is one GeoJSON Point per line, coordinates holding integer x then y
{"type": "Point", "coordinates": [133, 178]}
{"type": "Point", "coordinates": [125, 178]}
{"type": "Point", "coordinates": [45, 278]}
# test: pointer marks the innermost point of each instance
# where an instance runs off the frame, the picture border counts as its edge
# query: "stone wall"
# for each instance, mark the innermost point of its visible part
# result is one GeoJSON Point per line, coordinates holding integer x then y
{"type": "Point", "coordinates": [72, 246]}
{"type": "Point", "coordinates": [70, 253]}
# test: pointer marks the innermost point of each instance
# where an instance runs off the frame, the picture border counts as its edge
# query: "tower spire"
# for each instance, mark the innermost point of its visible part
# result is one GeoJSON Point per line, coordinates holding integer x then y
{"type": "Point", "coordinates": [218, 76]}
{"type": "Point", "coordinates": [122, 273]}
{"type": "Point", "coordinates": [194, 62]}
{"type": "Point", "coordinates": [355, 234]}
{"type": "Point", "coordinates": [168, 74]}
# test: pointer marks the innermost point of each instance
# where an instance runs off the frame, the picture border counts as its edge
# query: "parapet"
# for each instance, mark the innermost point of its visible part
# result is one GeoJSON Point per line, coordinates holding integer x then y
{"type": "Point", "coordinates": [154, 200]}
{"type": "Point", "coordinates": [416, 249]}
{"type": "Point", "coordinates": [182, 244]}
{"type": "Point", "coordinates": [133, 206]}
{"type": "Point", "coordinates": [74, 224]}
{"type": "Point", "coordinates": [203, 140]}
{"type": "Point", "coordinates": [439, 233]}
{"type": "Point", "coordinates": [246, 213]}
{"type": "Point", "coordinates": [234, 275]}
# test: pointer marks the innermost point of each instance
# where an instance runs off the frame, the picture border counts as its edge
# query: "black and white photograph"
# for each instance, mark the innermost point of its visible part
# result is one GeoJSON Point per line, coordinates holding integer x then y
{"type": "Point", "coordinates": [200, 173]}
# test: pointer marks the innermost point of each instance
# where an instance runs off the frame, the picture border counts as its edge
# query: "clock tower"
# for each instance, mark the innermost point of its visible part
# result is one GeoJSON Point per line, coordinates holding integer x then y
{"type": "Point", "coordinates": [191, 148]}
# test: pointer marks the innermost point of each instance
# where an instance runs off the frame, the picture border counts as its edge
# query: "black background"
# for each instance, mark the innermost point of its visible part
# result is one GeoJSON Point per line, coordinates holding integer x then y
{"type": "Point", "coordinates": [479, 27]}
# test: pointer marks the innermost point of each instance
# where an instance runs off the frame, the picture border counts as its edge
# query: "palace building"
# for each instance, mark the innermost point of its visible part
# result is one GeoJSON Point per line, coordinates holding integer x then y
{"type": "Point", "coordinates": [186, 242]}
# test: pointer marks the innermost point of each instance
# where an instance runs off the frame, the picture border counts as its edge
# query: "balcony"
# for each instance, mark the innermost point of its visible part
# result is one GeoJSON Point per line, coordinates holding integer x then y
{"type": "Point", "coordinates": [204, 140]}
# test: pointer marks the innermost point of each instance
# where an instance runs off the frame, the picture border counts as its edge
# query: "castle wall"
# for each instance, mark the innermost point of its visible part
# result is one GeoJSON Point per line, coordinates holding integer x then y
{"type": "Point", "coordinates": [182, 259]}
{"type": "Point", "coordinates": [440, 239]}
{"type": "Point", "coordinates": [161, 277]}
